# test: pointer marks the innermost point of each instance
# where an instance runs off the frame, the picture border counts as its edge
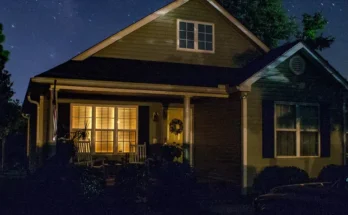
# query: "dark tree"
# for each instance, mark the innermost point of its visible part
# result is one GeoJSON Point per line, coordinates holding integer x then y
{"type": "Point", "coordinates": [269, 21]}
{"type": "Point", "coordinates": [313, 25]}
{"type": "Point", "coordinates": [10, 110]}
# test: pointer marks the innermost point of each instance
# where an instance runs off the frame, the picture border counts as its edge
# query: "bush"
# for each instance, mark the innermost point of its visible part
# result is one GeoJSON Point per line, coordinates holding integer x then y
{"type": "Point", "coordinates": [161, 185]}
{"type": "Point", "coordinates": [68, 182]}
{"type": "Point", "coordinates": [167, 152]}
{"type": "Point", "coordinates": [92, 182]}
{"type": "Point", "coordinates": [274, 176]}
{"type": "Point", "coordinates": [331, 173]}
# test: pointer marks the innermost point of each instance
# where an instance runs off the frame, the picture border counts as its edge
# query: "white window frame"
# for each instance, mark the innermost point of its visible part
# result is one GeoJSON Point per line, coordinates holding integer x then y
{"type": "Point", "coordinates": [93, 129]}
{"type": "Point", "coordinates": [195, 49]}
{"type": "Point", "coordinates": [297, 129]}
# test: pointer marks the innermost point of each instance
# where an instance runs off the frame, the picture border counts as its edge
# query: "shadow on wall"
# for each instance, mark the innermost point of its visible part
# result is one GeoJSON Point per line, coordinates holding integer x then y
{"type": "Point", "coordinates": [246, 57]}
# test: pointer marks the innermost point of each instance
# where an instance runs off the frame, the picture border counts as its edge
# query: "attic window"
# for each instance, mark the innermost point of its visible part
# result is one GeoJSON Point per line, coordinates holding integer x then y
{"type": "Point", "coordinates": [195, 36]}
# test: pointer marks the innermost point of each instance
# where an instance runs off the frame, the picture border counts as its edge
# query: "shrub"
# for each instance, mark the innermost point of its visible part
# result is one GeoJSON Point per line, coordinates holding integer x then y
{"type": "Point", "coordinates": [331, 173]}
{"type": "Point", "coordinates": [165, 152]}
{"type": "Point", "coordinates": [160, 185]}
{"type": "Point", "coordinates": [274, 176]}
{"type": "Point", "coordinates": [91, 182]}
{"type": "Point", "coordinates": [68, 182]}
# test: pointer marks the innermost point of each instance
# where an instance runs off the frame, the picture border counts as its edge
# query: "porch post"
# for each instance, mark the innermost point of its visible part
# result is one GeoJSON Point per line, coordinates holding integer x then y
{"type": "Point", "coordinates": [244, 135]}
{"type": "Point", "coordinates": [50, 126]}
{"type": "Point", "coordinates": [187, 130]}
{"type": "Point", "coordinates": [52, 143]}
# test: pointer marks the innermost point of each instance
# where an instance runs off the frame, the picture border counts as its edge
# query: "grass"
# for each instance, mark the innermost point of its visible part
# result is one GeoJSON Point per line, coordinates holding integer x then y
{"type": "Point", "coordinates": [18, 196]}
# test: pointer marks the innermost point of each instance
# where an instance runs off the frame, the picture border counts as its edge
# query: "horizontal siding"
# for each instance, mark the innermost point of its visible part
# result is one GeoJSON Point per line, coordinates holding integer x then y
{"type": "Point", "coordinates": [319, 87]}
{"type": "Point", "coordinates": [156, 41]}
{"type": "Point", "coordinates": [217, 139]}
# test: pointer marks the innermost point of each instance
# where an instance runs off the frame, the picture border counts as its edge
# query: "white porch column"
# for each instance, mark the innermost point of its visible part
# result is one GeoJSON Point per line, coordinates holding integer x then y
{"type": "Point", "coordinates": [187, 128]}
{"type": "Point", "coordinates": [50, 126]}
{"type": "Point", "coordinates": [244, 137]}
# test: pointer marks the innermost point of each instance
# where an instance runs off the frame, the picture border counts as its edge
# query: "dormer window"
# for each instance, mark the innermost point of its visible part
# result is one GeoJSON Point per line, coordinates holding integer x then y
{"type": "Point", "coordinates": [195, 36]}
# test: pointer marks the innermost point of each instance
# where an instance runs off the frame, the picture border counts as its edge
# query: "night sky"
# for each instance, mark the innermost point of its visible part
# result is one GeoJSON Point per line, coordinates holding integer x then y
{"type": "Point", "coordinates": [41, 34]}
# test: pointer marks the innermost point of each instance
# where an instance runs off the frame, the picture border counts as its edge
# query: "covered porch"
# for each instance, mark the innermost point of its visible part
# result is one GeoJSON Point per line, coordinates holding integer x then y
{"type": "Point", "coordinates": [122, 120]}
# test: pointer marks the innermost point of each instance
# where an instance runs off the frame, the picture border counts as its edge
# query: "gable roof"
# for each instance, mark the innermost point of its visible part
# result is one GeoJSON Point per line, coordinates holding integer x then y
{"type": "Point", "coordinates": [256, 69]}
{"type": "Point", "coordinates": [175, 4]}
{"type": "Point", "coordinates": [138, 71]}
{"type": "Point", "coordinates": [153, 72]}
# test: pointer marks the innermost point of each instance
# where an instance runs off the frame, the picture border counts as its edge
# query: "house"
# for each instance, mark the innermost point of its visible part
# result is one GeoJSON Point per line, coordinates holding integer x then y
{"type": "Point", "coordinates": [184, 66]}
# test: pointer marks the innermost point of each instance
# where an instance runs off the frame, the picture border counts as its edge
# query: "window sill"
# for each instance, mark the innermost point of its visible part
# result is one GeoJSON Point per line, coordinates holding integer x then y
{"type": "Point", "coordinates": [195, 50]}
{"type": "Point", "coordinates": [292, 157]}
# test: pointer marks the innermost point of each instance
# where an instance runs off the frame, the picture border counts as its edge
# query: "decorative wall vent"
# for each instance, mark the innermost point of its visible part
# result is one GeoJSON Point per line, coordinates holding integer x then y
{"type": "Point", "coordinates": [297, 65]}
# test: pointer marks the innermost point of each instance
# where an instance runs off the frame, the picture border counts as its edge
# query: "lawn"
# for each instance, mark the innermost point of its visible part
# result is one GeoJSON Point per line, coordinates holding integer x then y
{"type": "Point", "coordinates": [25, 196]}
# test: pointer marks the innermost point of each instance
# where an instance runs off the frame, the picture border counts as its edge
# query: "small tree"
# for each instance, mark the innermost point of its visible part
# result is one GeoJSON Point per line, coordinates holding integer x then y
{"type": "Point", "coordinates": [313, 25]}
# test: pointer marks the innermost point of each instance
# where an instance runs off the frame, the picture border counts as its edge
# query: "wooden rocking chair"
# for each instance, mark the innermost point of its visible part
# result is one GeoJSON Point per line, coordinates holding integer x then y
{"type": "Point", "coordinates": [84, 153]}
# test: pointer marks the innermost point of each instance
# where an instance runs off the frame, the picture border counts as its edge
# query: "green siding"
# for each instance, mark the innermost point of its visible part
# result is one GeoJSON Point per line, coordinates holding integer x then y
{"type": "Point", "coordinates": [319, 86]}
{"type": "Point", "coordinates": [157, 41]}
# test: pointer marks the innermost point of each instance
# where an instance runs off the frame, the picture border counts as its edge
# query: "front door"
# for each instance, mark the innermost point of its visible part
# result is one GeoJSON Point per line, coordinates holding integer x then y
{"type": "Point", "coordinates": [176, 136]}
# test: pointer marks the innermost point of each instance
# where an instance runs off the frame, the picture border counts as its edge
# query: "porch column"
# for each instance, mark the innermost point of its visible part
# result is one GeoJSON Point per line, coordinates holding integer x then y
{"type": "Point", "coordinates": [50, 117]}
{"type": "Point", "coordinates": [244, 136]}
{"type": "Point", "coordinates": [187, 130]}
{"type": "Point", "coordinates": [51, 142]}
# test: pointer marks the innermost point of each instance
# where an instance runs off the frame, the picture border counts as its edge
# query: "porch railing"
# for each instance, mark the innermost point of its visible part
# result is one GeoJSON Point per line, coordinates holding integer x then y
{"type": "Point", "coordinates": [139, 153]}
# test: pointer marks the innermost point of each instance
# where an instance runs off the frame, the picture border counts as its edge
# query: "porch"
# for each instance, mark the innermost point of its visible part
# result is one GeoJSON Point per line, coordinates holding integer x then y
{"type": "Point", "coordinates": [123, 123]}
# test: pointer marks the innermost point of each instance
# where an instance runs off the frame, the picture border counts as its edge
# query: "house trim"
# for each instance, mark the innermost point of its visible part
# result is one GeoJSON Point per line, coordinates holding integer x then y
{"type": "Point", "coordinates": [251, 80]}
{"type": "Point", "coordinates": [244, 135]}
{"type": "Point", "coordinates": [138, 88]}
{"type": "Point", "coordinates": [177, 3]}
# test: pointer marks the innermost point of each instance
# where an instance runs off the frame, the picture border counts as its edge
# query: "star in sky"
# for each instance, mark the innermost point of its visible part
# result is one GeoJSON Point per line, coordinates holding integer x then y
{"type": "Point", "coordinates": [43, 34]}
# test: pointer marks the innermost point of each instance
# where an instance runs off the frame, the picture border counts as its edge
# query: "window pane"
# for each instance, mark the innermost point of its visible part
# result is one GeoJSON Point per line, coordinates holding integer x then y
{"type": "Point", "coordinates": [286, 143]}
{"type": "Point", "coordinates": [125, 139]}
{"type": "Point", "coordinates": [286, 116]}
{"type": "Point", "coordinates": [182, 44]}
{"type": "Point", "coordinates": [201, 45]}
{"type": "Point", "coordinates": [81, 117]}
{"type": "Point", "coordinates": [209, 46]}
{"type": "Point", "coordinates": [190, 44]}
{"type": "Point", "coordinates": [182, 34]}
{"type": "Point", "coordinates": [309, 117]}
{"type": "Point", "coordinates": [209, 29]}
{"type": "Point", "coordinates": [209, 37]}
{"type": "Point", "coordinates": [104, 136]}
{"type": "Point", "coordinates": [127, 118]}
{"type": "Point", "coordinates": [201, 28]}
{"type": "Point", "coordinates": [201, 37]}
{"type": "Point", "coordinates": [183, 26]}
{"type": "Point", "coordinates": [190, 27]}
{"type": "Point", "coordinates": [104, 141]}
{"type": "Point", "coordinates": [309, 144]}
{"type": "Point", "coordinates": [190, 36]}
{"type": "Point", "coordinates": [105, 117]}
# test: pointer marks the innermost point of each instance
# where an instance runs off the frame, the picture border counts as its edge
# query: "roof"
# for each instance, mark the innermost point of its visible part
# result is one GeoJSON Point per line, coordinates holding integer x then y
{"type": "Point", "coordinates": [254, 71]}
{"type": "Point", "coordinates": [138, 71]}
{"type": "Point", "coordinates": [153, 72]}
{"type": "Point", "coordinates": [171, 6]}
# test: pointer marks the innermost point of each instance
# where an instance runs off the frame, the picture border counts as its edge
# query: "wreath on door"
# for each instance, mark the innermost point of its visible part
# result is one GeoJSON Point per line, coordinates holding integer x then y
{"type": "Point", "coordinates": [176, 126]}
